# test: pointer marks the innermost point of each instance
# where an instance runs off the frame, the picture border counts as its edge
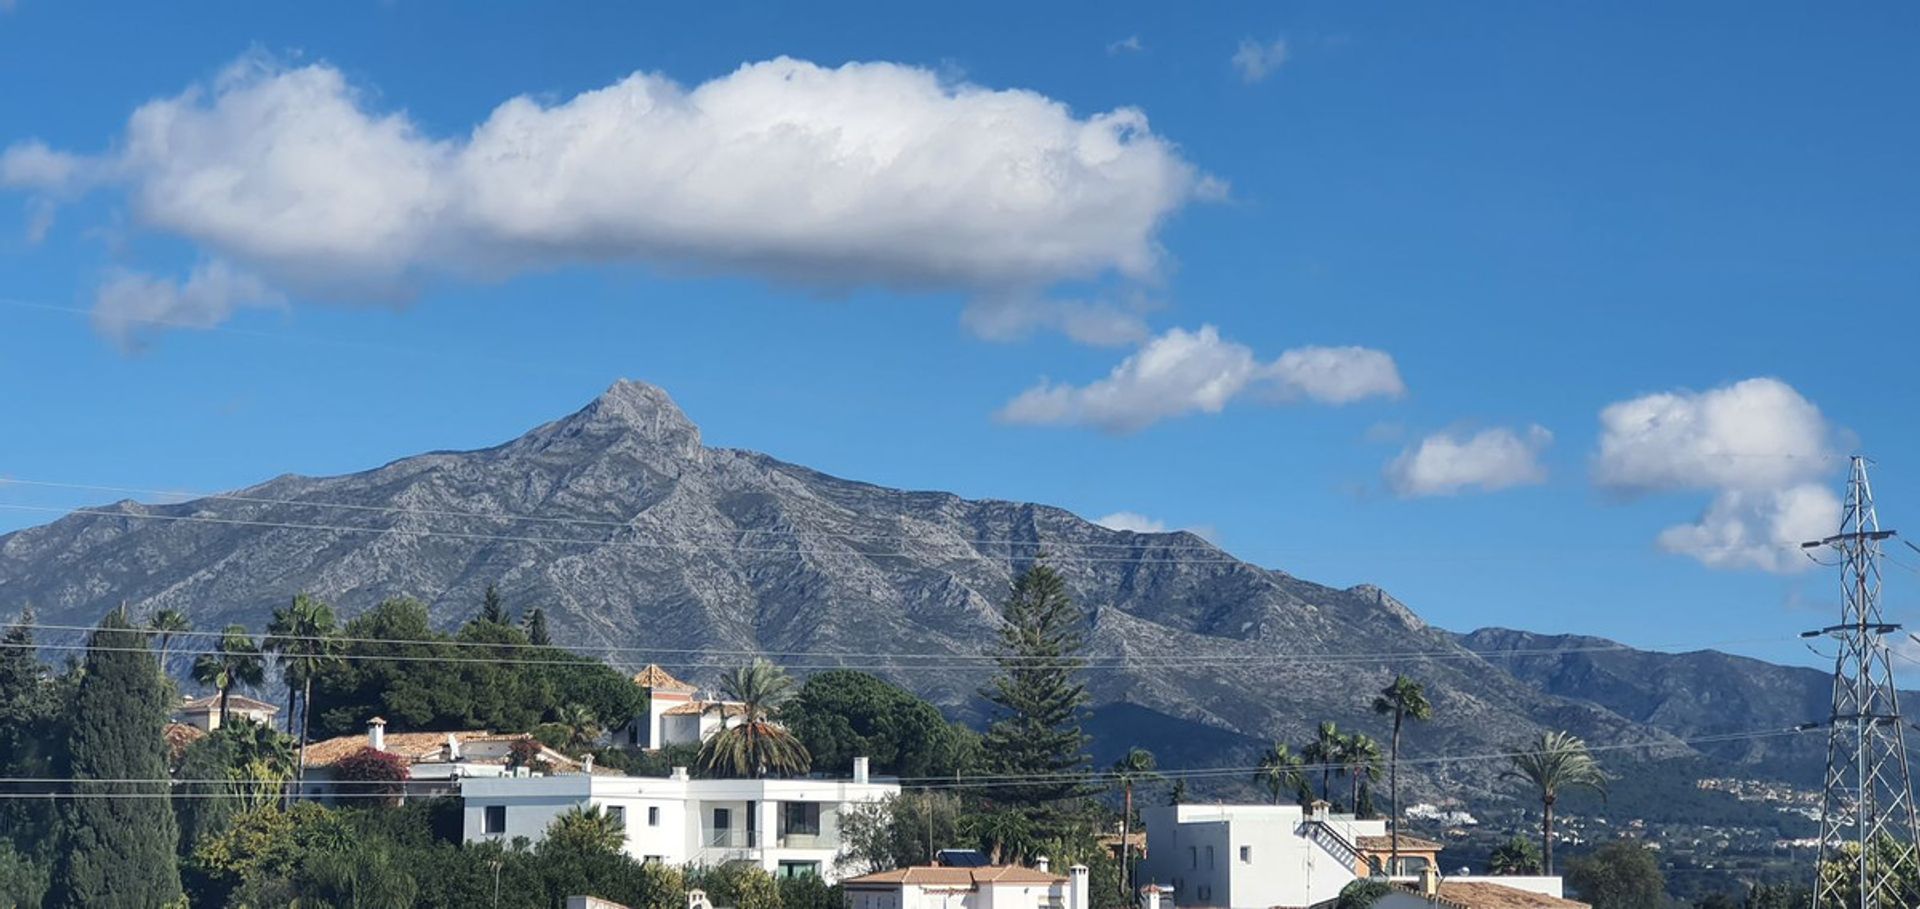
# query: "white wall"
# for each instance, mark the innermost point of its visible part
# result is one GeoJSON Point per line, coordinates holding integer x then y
{"type": "Point", "coordinates": [1284, 867]}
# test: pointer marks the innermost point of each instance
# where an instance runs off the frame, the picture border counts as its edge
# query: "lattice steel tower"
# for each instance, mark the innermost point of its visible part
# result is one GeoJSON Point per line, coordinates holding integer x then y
{"type": "Point", "coordinates": [1867, 820]}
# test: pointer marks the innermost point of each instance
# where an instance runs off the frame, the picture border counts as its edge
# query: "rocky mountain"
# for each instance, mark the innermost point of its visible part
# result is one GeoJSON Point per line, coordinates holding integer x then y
{"type": "Point", "coordinates": [639, 539]}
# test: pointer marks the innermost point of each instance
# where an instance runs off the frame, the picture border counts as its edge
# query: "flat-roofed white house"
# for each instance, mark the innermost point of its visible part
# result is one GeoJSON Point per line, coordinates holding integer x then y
{"type": "Point", "coordinates": [789, 827]}
{"type": "Point", "coordinates": [203, 713]}
{"type": "Point", "coordinates": [988, 887]}
{"type": "Point", "coordinates": [676, 714]}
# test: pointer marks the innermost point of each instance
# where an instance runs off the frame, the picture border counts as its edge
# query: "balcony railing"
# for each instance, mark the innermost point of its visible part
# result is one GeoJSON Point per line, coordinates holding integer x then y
{"type": "Point", "coordinates": [713, 838]}
{"type": "Point", "coordinates": [809, 841]}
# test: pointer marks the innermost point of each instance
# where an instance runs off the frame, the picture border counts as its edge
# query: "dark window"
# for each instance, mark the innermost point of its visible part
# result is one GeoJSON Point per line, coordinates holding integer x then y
{"type": "Point", "coordinates": [494, 819]}
{"type": "Point", "coordinates": [800, 818]}
{"type": "Point", "coordinates": [799, 869]}
{"type": "Point", "coordinates": [653, 815]}
{"type": "Point", "coordinates": [619, 815]}
{"type": "Point", "coordinates": [1246, 853]}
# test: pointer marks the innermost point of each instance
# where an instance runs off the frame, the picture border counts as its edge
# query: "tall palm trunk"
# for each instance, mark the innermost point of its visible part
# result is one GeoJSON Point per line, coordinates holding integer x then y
{"type": "Point", "coordinates": [306, 708]}
{"type": "Point", "coordinates": [1393, 794]}
{"type": "Point", "coordinates": [1126, 845]}
{"type": "Point", "coordinates": [1546, 832]}
{"type": "Point", "coordinates": [224, 689]}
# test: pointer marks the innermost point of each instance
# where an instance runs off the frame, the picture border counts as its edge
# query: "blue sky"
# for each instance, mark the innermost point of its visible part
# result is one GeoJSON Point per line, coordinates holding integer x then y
{"type": "Point", "coordinates": [1473, 229]}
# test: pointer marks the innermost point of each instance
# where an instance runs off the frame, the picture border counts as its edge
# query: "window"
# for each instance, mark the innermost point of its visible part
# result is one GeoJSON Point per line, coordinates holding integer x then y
{"type": "Point", "coordinates": [1209, 858]}
{"type": "Point", "coordinates": [1246, 855]}
{"type": "Point", "coordinates": [493, 819]}
{"type": "Point", "coordinates": [790, 870]}
{"type": "Point", "coordinates": [1205, 894]}
{"type": "Point", "coordinates": [1193, 856]}
{"type": "Point", "coordinates": [653, 815]}
{"type": "Point", "coordinates": [722, 819]}
{"type": "Point", "coordinates": [800, 818]}
{"type": "Point", "coordinates": [654, 860]}
{"type": "Point", "coordinates": [619, 815]}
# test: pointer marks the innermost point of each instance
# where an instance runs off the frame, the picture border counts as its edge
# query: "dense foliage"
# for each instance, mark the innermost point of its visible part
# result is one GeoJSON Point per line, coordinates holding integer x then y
{"type": "Point", "coordinates": [842, 714]}
{"type": "Point", "coordinates": [116, 850]}
{"type": "Point", "coordinates": [1039, 703]}
{"type": "Point", "coordinates": [751, 742]}
{"type": "Point", "coordinates": [1619, 875]}
{"type": "Point", "coordinates": [393, 664]}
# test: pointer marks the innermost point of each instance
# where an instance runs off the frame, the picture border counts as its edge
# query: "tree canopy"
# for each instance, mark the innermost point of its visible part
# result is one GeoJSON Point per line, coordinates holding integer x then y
{"type": "Point", "coordinates": [842, 714]}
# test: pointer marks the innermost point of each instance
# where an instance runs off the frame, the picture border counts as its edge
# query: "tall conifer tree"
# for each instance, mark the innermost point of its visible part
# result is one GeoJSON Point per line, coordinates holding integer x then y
{"type": "Point", "coordinates": [116, 851]}
{"type": "Point", "coordinates": [1039, 700]}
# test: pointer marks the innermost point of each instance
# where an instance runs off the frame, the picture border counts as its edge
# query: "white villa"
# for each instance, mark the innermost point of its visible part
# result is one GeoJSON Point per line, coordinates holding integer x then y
{"type": "Point", "coordinates": [990, 887]}
{"type": "Point", "coordinates": [436, 762]}
{"type": "Point", "coordinates": [789, 827]}
{"type": "Point", "coordinates": [676, 713]}
{"type": "Point", "coordinates": [1262, 856]}
{"type": "Point", "coordinates": [203, 713]}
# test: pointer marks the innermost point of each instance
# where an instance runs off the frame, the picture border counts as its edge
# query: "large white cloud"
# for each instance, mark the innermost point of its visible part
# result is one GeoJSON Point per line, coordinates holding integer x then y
{"type": "Point", "coordinates": [1181, 372]}
{"type": "Point", "coordinates": [1492, 459]}
{"type": "Point", "coordinates": [868, 174]}
{"type": "Point", "coordinates": [1763, 450]}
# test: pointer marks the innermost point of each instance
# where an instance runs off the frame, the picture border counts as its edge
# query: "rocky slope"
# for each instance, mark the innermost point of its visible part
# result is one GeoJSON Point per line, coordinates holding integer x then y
{"type": "Point", "coordinates": [634, 535]}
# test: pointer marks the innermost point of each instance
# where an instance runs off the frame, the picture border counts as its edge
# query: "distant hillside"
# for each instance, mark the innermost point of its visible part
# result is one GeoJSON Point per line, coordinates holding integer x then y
{"type": "Point", "coordinates": [633, 534]}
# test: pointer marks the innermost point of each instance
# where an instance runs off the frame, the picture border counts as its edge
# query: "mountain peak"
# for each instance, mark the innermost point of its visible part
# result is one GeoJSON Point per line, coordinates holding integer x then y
{"type": "Point", "coordinates": [632, 412]}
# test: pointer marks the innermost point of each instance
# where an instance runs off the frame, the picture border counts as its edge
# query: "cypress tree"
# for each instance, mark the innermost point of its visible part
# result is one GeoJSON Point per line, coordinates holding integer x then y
{"type": "Point", "coordinates": [28, 714]}
{"type": "Point", "coordinates": [493, 607]}
{"type": "Point", "coordinates": [537, 628]}
{"type": "Point", "coordinates": [116, 851]}
{"type": "Point", "coordinates": [1039, 700]}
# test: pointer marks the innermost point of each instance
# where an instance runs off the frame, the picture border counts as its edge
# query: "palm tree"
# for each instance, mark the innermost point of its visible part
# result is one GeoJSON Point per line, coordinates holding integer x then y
{"type": "Point", "coordinates": [1559, 760]}
{"type": "Point", "coordinates": [1359, 758]}
{"type": "Point", "coordinates": [1281, 771]}
{"type": "Point", "coordinates": [164, 625]}
{"type": "Point", "coordinates": [235, 660]}
{"type": "Point", "coordinates": [301, 637]}
{"type": "Point", "coordinates": [1133, 768]}
{"type": "Point", "coordinates": [583, 728]}
{"type": "Point", "coordinates": [756, 745]}
{"type": "Point", "coordinates": [1324, 752]}
{"type": "Point", "coordinates": [1405, 699]}
{"type": "Point", "coordinates": [586, 830]}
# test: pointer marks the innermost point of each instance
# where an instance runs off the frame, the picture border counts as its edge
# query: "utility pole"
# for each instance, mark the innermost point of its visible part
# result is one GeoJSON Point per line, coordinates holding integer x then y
{"type": "Point", "coordinates": [1867, 818]}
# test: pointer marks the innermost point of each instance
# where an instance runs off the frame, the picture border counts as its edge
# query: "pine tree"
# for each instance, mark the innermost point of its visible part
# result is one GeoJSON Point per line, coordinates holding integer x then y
{"type": "Point", "coordinates": [1039, 700]}
{"type": "Point", "coordinates": [116, 852]}
{"type": "Point", "coordinates": [493, 607]}
{"type": "Point", "coordinates": [537, 628]}
{"type": "Point", "coordinates": [28, 717]}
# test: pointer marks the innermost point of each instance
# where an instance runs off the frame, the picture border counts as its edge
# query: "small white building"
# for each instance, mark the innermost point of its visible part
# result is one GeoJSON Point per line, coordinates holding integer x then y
{"type": "Point", "coordinates": [1254, 856]}
{"type": "Point", "coordinates": [676, 713]}
{"type": "Point", "coordinates": [436, 761]}
{"type": "Point", "coordinates": [1431, 891]}
{"type": "Point", "coordinates": [203, 713]}
{"type": "Point", "coordinates": [789, 827]}
{"type": "Point", "coordinates": [990, 887]}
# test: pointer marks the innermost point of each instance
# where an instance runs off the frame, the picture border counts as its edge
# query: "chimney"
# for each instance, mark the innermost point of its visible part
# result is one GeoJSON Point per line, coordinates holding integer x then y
{"type": "Point", "coordinates": [1040, 864]}
{"type": "Point", "coordinates": [1320, 809]}
{"type": "Point", "coordinates": [860, 773]}
{"type": "Point", "coordinates": [1430, 882]}
{"type": "Point", "coordinates": [679, 773]}
{"type": "Point", "coordinates": [377, 734]}
{"type": "Point", "coordinates": [453, 748]}
{"type": "Point", "coordinates": [1150, 896]}
{"type": "Point", "coordinates": [586, 764]}
{"type": "Point", "coordinates": [1077, 888]}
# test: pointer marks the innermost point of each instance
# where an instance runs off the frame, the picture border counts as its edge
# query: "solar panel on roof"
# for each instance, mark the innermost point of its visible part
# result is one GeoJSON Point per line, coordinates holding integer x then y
{"type": "Point", "coordinates": [960, 858]}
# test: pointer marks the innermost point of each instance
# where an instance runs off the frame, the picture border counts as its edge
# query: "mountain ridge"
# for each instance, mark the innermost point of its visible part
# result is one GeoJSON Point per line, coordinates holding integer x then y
{"type": "Point", "coordinates": [633, 534]}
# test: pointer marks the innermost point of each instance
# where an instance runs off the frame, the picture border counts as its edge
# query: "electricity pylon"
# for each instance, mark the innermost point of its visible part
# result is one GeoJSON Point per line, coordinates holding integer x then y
{"type": "Point", "coordinates": [1868, 829]}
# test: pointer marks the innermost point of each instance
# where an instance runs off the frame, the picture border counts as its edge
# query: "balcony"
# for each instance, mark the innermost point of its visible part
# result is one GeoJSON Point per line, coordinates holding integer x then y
{"type": "Point", "coordinates": [808, 840]}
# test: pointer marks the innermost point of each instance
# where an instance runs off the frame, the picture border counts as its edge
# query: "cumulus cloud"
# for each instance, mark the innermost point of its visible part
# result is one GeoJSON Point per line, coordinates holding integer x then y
{"type": "Point", "coordinates": [1492, 459]}
{"type": "Point", "coordinates": [1256, 60]}
{"type": "Point", "coordinates": [1182, 372]}
{"type": "Point", "coordinates": [130, 306]}
{"type": "Point", "coordinates": [1757, 529]}
{"type": "Point", "coordinates": [1758, 445]}
{"type": "Point", "coordinates": [867, 174]}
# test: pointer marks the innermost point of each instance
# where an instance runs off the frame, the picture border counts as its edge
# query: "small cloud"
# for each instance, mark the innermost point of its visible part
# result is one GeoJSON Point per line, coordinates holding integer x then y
{"type": "Point", "coordinates": [1384, 432]}
{"type": "Point", "coordinates": [1182, 372]}
{"type": "Point", "coordinates": [1256, 60]}
{"type": "Point", "coordinates": [1096, 323]}
{"type": "Point", "coordinates": [1139, 523]}
{"type": "Point", "coordinates": [131, 306]}
{"type": "Point", "coordinates": [1489, 460]}
{"type": "Point", "coordinates": [1132, 521]}
{"type": "Point", "coordinates": [1129, 45]}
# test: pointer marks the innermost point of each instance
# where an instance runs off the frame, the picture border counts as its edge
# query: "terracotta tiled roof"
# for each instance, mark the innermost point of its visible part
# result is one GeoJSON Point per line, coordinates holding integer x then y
{"type": "Point", "coordinates": [661, 680]}
{"type": "Point", "coordinates": [1487, 895]}
{"type": "Point", "coordinates": [698, 707]}
{"type": "Point", "coordinates": [937, 876]}
{"type": "Point", "coordinates": [419, 746]}
{"type": "Point", "coordinates": [1407, 844]}
{"type": "Point", "coordinates": [179, 736]}
{"type": "Point", "coordinates": [235, 702]}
